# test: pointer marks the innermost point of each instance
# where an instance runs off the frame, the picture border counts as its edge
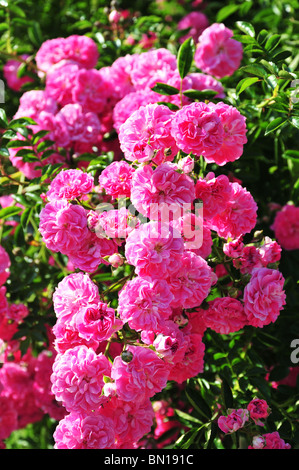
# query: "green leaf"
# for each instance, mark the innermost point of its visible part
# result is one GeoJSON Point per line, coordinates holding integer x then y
{"type": "Point", "coordinates": [200, 94]}
{"type": "Point", "coordinates": [226, 394]}
{"type": "Point", "coordinates": [245, 83]}
{"type": "Point", "coordinates": [186, 417]}
{"type": "Point", "coordinates": [247, 28]}
{"type": "Point", "coordinates": [185, 57]}
{"type": "Point", "coordinates": [9, 212]}
{"type": "Point", "coordinates": [294, 120]}
{"type": "Point", "coordinates": [280, 56]}
{"type": "Point", "coordinates": [225, 12]}
{"type": "Point", "coordinates": [254, 69]}
{"type": "Point", "coordinates": [292, 154]}
{"type": "Point", "coordinates": [275, 124]}
{"type": "Point", "coordinates": [171, 106]}
{"type": "Point", "coordinates": [25, 217]}
{"type": "Point", "coordinates": [4, 152]}
{"type": "Point", "coordinates": [3, 119]}
{"type": "Point", "coordinates": [164, 89]}
{"type": "Point", "coordinates": [262, 36]}
{"type": "Point", "coordinates": [272, 42]}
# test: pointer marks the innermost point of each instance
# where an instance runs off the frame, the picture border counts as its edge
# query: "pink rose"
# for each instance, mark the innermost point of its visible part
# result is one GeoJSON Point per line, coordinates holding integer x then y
{"type": "Point", "coordinates": [234, 421]}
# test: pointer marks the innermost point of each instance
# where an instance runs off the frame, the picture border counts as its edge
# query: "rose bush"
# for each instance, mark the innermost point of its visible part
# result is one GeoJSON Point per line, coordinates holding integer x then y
{"type": "Point", "coordinates": [148, 231]}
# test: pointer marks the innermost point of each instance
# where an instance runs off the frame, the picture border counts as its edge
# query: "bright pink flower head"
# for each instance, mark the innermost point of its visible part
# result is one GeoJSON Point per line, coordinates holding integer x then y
{"type": "Point", "coordinates": [197, 129]}
{"type": "Point", "coordinates": [151, 67]}
{"type": "Point", "coordinates": [217, 53]}
{"type": "Point", "coordinates": [196, 22]}
{"type": "Point", "coordinates": [97, 322]}
{"type": "Point", "coordinates": [115, 224]}
{"type": "Point", "coordinates": [286, 227]}
{"type": "Point", "coordinates": [269, 441]}
{"type": "Point", "coordinates": [33, 102]}
{"type": "Point", "coordinates": [192, 363]}
{"type": "Point", "coordinates": [144, 304]}
{"type": "Point", "coordinates": [10, 71]}
{"type": "Point", "coordinates": [77, 431]}
{"type": "Point", "coordinates": [264, 297]}
{"type": "Point", "coordinates": [82, 126]}
{"type": "Point", "coordinates": [258, 409]}
{"type": "Point", "coordinates": [8, 417]}
{"type": "Point", "coordinates": [63, 226]}
{"type": "Point", "coordinates": [60, 82]}
{"type": "Point", "coordinates": [70, 184]}
{"type": "Point", "coordinates": [191, 284]}
{"type": "Point", "coordinates": [270, 252]}
{"type": "Point", "coordinates": [90, 90]}
{"type": "Point", "coordinates": [3, 303]}
{"type": "Point", "coordinates": [140, 378]}
{"type": "Point", "coordinates": [116, 179]}
{"type": "Point", "coordinates": [234, 136]}
{"type": "Point", "coordinates": [155, 250]}
{"type": "Point", "coordinates": [248, 260]}
{"type": "Point", "coordinates": [214, 192]}
{"type": "Point", "coordinates": [238, 217]}
{"type": "Point", "coordinates": [234, 248]}
{"type": "Point", "coordinates": [234, 421]}
{"type": "Point", "coordinates": [78, 378]}
{"type": "Point", "coordinates": [74, 292]}
{"type": "Point", "coordinates": [225, 315]}
{"type": "Point", "coordinates": [4, 265]}
{"type": "Point", "coordinates": [158, 192]}
{"type": "Point", "coordinates": [130, 103]}
{"type": "Point", "coordinates": [146, 135]}
{"type": "Point", "coordinates": [80, 49]}
{"type": "Point", "coordinates": [197, 237]}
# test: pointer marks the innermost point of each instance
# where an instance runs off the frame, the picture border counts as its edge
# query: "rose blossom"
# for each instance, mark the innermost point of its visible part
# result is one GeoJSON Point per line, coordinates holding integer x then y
{"type": "Point", "coordinates": [150, 67]}
{"type": "Point", "coordinates": [258, 409]}
{"type": "Point", "coordinates": [4, 265]}
{"type": "Point", "coordinates": [78, 378]}
{"type": "Point", "coordinates": [10, 72]}
{"type": "Point", "coordinates": [286, 227]}
{"type": "Point", "coordinates": [140, 378]}
{"type": "Point", "coordinates": [217, 53]}
{"type": "Point", "coordinates": [63, 226]}
{"type": "Point", "coordinates": [116, 179]}
{"type": "Point", "coordinates": [192, 363]}
{"type": "Point", "coordinates": [77, 431]}
{"type": "Point", "coordinates": [156, 192]}
{"type": "Point", "coordinates": [196, 22]}
{"type": "Point", "coordinates": [264, 297]}
{"type": "Point", "coordinates": [146, 135]}
{"type": "Point", "coordinates": [269, 441]}
{"type": "Point", "coordinates": [144, 304]}
{"type": "Point", "coordinates": [70, 184]}
{"type": "Point", "coordinates": [235, 420]}
{"type": "Point", "coordinates": [225, 315]}
{"type": "Point", "coordinates": [214, 192]}
{"type": "Point", "coordinates": [155, 250]}
{"type": "Point", "coordinates": [197, 129]}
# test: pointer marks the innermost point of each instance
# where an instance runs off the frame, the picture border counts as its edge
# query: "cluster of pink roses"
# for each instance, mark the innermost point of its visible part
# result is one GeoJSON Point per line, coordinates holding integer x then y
{"type": "Point", "coordinates": [25, 388]}
{"type": "Point", "coordinates": [257, 411]}
{"type": "Point", "coordinates": [103, 379]}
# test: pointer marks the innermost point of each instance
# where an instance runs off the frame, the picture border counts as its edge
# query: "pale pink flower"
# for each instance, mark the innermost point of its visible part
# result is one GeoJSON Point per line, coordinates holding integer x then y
{"type": "Point", "coordinates": [217, 53]}
{"type": "Point", "coordinates": [234, 421]}
{"type": "Point", "coordinates": [70, 184]}
{"type": "Point", "coordinates": [146, 135]}
{"type": "Point", "coordinates": [78, 378]}
{"type": "Point", "coordinates": [286, 227]}
{"type": "Point", "coordinates": [264, 297]}
{"type": "Point", "coordinates": [77, 431]}
{"type": "Point", "coordinates": [157, 192]}
{"type": "Point", "coordinates": [155, 250]}
{"type": "Point", "coordinates": [197, 129]}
